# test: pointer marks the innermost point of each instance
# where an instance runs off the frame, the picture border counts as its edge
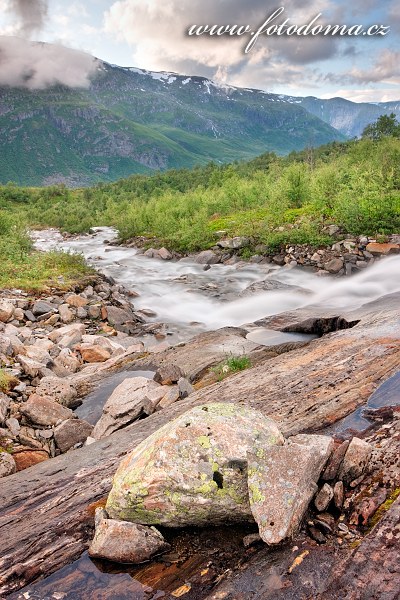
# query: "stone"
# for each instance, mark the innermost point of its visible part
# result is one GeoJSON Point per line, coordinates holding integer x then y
{"type": "Point", "coordinates": [234, 243]}
{"type": "Point", "coordinates": [118, 316]}
{"type": "Point", "coordinates": [332, 229]}
{"type": "Point", "coordinates": [43, 411]}
{"type": "Point", "coordinates": [77, 329]}
{"type": "Point", "coordinates": [81, 313]}
{"type": "Point", "coordinates": [317, 535]}
{"type": "Point", "coordinates": [164, 254]}
{"type": "Point", "coordinates": [66, 314]}
{"type": "Point", "coordinates": [334, 265]}
{"type": "Point", "coordinates": [7, 464]}
{"type": "Point", "coordinates": [338, 494]}
{"type": "Point", "coordinates": [193, 470]}
{"type": "Point", "coordinates": [185, 387]}
{"type": "Point", "coordinates": [31, 367]}
{"type": "Point", "coordinates": [76, 300]}
{"type": "Point", "coordinates": [94, 354]}
{"type": "Point", "coordinates": [120, 541]}
{"type": "Point", "coordinates": [6, 346]}
{"type": "Point", "coordinates": [355, 460]}
{"type": "Point", "coordinates": [38, 354]}
{"type": "Point", "coordinates": [323, 498]}
{"type": "Point", "coordinates": [13, 426]}
{"type": "Point", "coordinates": [58, 390]}
{"type": "Point", "coordinates": [6, 311]}
{"type": "Point", "coordinates": [334, 462]}
{"type": "Point", "coordinates": [70, 339]}
{"type": "Point", "coordinates": [41, 307]}
{"type": "Point", "coordinates": [67, 360]}
{"type": "Point", "coordinates": [382, 249]}
{"type": "Point", "coordinates": [94, 311]}
{"type": "Point", "coordinates": [4, 406]}
{"type": "Point", "coordinates": [207, 257]}
{"type": "Point", "coordinates": [71, 432]}
{"type": "Point", "coordinates": [153, 397]}
{"type": "Point", "coordinates": [251, 539]}
{"type": "Point", "coordinates": [127, 402]}
{"type": "Point", "coordinates": [28, 458]}
{"type": "Point", "coordinates": [323, 444]}
{"type": "Point", "coordinates": [19, 314]}
{"type": "Point", "coordinates": [30, 316]}
{"type": "Point", "coordinates": [282, 481]}
{"type": "Point", "coordinates": [169, 398]}
{"type": "Point", "coordinates": [168, 374]}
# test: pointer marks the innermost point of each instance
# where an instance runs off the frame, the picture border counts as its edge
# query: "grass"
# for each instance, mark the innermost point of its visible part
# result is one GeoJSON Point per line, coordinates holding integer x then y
{"type": "Point", "coordinates": [233, 364]}
{"type": "Point", "coordinates": [7, 382]}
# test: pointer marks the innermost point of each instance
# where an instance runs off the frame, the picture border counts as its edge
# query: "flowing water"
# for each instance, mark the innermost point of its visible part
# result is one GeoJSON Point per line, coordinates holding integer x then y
{"type": "Point", "coordinates": [190, 300]}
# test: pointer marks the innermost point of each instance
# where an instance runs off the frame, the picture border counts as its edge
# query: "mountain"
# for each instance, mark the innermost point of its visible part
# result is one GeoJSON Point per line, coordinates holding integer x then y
{"type": "Point", "coordinates": [350, 118]}
{"type": "Point", "coordinates": [136, 121]}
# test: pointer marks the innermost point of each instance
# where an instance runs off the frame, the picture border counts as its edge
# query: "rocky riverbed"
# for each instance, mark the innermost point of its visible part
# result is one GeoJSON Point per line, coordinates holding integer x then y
{"type": "Point", "coordinates": [148, 340]}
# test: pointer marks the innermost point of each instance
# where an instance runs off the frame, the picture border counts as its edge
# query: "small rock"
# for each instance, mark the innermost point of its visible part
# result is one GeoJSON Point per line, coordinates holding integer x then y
{"type": "Point", "coordinates": [169, 398]}
{"type": "Point", "coordinates": [13, 425]}
{"type": "Point", "coordinates": [41, 308]}
{"type": "Point", "coordinates": [58, 390]}
{"type": "Point", "coordinates": [338, 494]}
{"type": "Point", "coordinates": [355, 460]}
{"type": "Point", "coordinates": [323, 498]}
{"type": "Point", "coordinates": [383, 249]}
{"type": "Point", "coordinates": [168, 374]}
{"type": "Point", "coordinates": [75, 329]}
{"type": "Point", "coordinates": [66, 315]}
{"type": "Point", "coordinates": [332, 468]}
{"type": "Point", "coordinates": [325, 522]}
{"type": "Point", "coordinates": [164, 254]}
{"type": "Point", "coordinates": [43, 411]}
{"type": "Point", "coordinates": [94, 311]}
{"type": "Point", "coordinates": [207, 257]}
{"type": "Point", "coordinates": [185, 387]}
{"type": "Point", "coordinates": [334, 265]}
{"type": "Point", "coordinates": [118, 316]}
{"type": "Point", "coordinates": [7, 464]}
{"type": "Point", "coordinates": [251, 539]}
{"type": "Point", "coordinates": [28, 458]}
{"type": "Point", "coordinates": [30, 316]}
{"type": "Point", "coordinates": [31, 367]}
{"type": "Point", "coordinates": [120, 541]}
{"type": "Point", "coordinates": [71, 432]}
{"type": "Point", "coordinates": [76, 300]}
{"type": "Point", "coordinates": [94, 354]}
{"type": "Point", "coordinates": [4, 406]}
{"type": "Point", "coordinates": [81, 313]}
{"type": "Point", "coordinates": [317, 535]}
{"type": "Point", "coordinates": [6, 311]}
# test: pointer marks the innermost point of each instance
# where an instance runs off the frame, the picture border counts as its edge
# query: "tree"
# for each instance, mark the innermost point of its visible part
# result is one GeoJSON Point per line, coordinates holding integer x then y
{"type": "Point", "coordinates": [385, 126]}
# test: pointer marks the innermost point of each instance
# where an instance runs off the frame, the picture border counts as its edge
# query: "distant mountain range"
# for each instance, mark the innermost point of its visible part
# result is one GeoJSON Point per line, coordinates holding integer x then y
{"type": "Point", "coordinates": [136, 121]}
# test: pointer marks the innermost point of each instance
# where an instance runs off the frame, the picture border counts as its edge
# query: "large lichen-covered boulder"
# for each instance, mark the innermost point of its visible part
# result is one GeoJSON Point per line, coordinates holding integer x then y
{"type": "Point", "coordinates": [193, 471]}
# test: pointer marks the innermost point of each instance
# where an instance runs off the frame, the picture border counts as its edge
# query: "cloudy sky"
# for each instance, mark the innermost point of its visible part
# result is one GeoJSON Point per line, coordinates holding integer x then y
{"type": "Point", "coordinates": [151, 34]}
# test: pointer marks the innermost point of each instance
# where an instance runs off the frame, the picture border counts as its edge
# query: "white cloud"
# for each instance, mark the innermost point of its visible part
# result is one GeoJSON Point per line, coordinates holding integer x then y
{"type": "Point", "coordinates": [365, 95]}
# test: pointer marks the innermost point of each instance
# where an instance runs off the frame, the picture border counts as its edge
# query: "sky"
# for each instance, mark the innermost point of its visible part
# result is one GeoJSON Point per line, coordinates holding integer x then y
{"type": "Point", "coordinates": [152, 34]}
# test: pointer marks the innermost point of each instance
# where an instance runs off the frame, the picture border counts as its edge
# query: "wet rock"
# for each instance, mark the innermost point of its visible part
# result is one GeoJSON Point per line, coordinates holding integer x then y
{"type": "Point", "coordinates": [71, 432]}
{"type": "Point", "coordinates": [334, 266]}
{"type": "Point", "coordinates": [119, 316]}
{"type": "Point", "coordinates": [4, 406]}
{"type": "Point", "coordinates": [28, 458]}
{"type": "Point", "coordinates": [58, 390]}
{"type": "Point", "coordinates": [251, 539]}
{"type": "Point", "coordinates": [7, 464]}
{"type": "Point", "coordinates": [317, 535]}
{"type": "Point", "coordinates": [168, 374]}
{"type": "Point", "coordinates": [332, 468]}
{"type": "Point", "coordinates": [6, 311]}
{"type": "Point", "coordinates": [94, 354]}
{"type": "Point", "coordinates": [125, 542]}
{"type": "Point", "coordinates": [43, 411]}
{"type": "Point", "coordinates": [207, 257]}
{"type": "Point", "coordinates": [127, 402]}
{"type": "Point", "coordinates": [185, 387]}
{"type": "Point", "coordinates": [193, 470]}
{"type": "Point", "coordinates": [338, 494]}
{"type": "Point", "coordinates": [41, 307]}
{"type": "Point", "coordinates": [355, 460]}
{"type": "Point", "coordinates": [323, 498]}
{"type": "Point", "coordinates": [282, 482]}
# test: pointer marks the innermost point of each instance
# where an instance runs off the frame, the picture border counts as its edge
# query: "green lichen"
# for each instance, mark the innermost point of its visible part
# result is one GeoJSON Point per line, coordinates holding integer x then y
{"type": "Point", "coordinates": [382, 510]}
{"type": "Point", "coordinates": [255, 493]}
{"type": "Point", "coordinates": [204, 441]}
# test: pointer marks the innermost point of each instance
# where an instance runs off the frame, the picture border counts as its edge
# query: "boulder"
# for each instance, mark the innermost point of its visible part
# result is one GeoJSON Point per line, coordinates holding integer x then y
{"type": "Point", "coordinates": [71, 432]}
{"type": "Point", "coordinates": [382, 249]}
{"type": "Point", "coordinates": [193, 470]}
{"type": "Point", "coordinates": [29, 457]}
{"type": "Point", "coordinates": [169, 398]}
{"type": "Point", "coordinates": [355, 460]}
{"type": "Point", "coordinates": [66, 314]}
{"type": "Point", "coordinates": [58, 390]}
{"type": "Point", "coordinates": [38, 354]}
{"type": "Point", "coordinates": [282, 481]}
{"type": "Point", "coordinates": [43, 411]}
{"type": "Point", "coordinates": [185, 387]}
{"type": "Point", "coordinates": [207, 257]}
{"type": "Point", "coordinates": [124, 542]}
{"type": "Point", "coordinates": [118, 316]}
{"type": "Point", "coordinates": [7, 464]}
{"type": "Point", "coordinates": [165, 254]}
{"type": "Point", "coordinates": [6, 311]}
{"type": "Point", "coordinates": [127, 402]}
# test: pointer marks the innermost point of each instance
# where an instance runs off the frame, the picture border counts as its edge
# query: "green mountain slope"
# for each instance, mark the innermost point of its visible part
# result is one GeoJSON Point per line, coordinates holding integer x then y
{"type": "Point", "coordinates": [135, 121]}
